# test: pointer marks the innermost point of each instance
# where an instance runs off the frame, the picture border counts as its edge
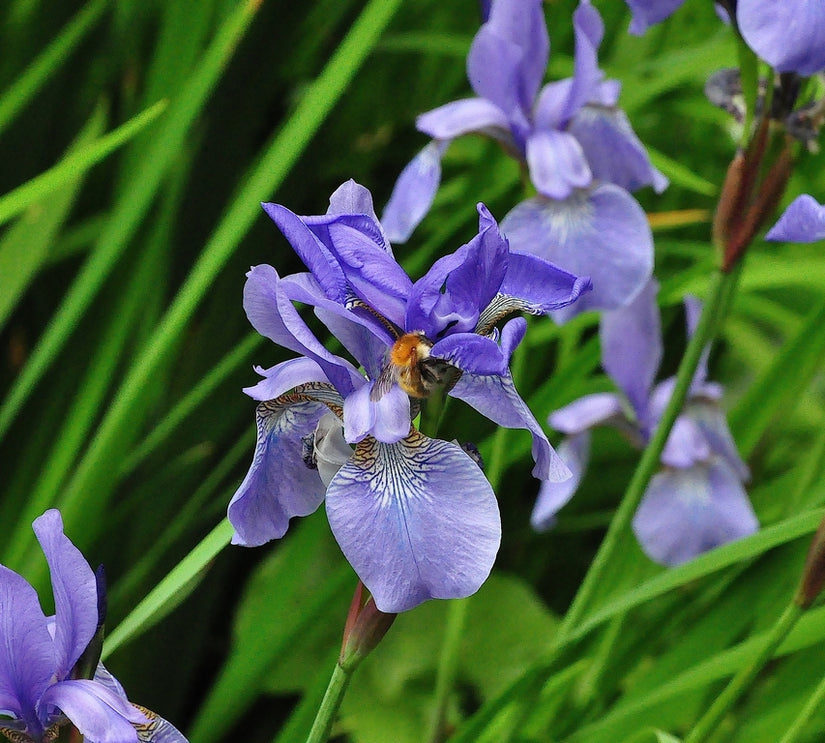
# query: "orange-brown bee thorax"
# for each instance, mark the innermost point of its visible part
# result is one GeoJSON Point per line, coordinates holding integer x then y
{"type": "Point", "coordinates": [409, 349]}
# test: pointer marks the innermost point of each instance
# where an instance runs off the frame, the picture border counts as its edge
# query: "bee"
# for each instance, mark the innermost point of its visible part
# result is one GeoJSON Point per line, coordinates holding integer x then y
{"type": "Point", "coordinates": [411, 366]}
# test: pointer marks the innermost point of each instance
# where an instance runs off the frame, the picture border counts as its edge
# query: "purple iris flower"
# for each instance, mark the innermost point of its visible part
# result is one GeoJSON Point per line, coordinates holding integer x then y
{"type": "Point", "coordinates": [789, 35]}
{"type": "Point", "coordinates": [43, 676]}
{"type": "Point", "coordinates": [697, 501]}
{"type": "Point", "coordinates": [802, 222]}
{"type": "Point", "coordinates": [578, 147]}
{"type": "Point", "coordinates": [414, 515]}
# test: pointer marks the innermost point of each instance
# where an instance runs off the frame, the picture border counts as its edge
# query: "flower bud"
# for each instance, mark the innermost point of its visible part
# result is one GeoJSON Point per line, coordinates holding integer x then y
{"type": "Point", "coordinates": [365, 628]}
{"type": "Point", "coordinates": [813, 576]}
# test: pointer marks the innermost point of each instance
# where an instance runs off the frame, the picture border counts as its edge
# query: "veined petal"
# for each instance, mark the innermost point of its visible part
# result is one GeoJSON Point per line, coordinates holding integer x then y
{"type": "Point", "coordinates": [496, 398]}
{"type": "Point", "coordinates": [279, 484]}
{"type": "Point", "coordinates": [631, 339]}
{"type": "Point", "coordinates": [603, 234]}
{"type": "Point", "coordinates": [574, 452]}
{"type": "Point", "coordinates": [790, 35]}
{"type": "Point", "coordinates": [99, 714]}
{"type": "Point", "coordinates": [557, 163]}
{"type": "Point", "coordinates": [466, 116]}
{"type": "Point", "coordinates": [387, 419]}
{"type": "Point", "coordinates": [649, 12]}
{"type": "Point", "coordinates": [613, 151]}
{"type": "Point", "coordinates": [450, 297]}
{"type": "Point", "coordinates": [75, 591]}
{"type": "Point", "coordinates": [413, 193]}
{"type": "Point", "coordinates": [271, 312]}
{"type": "Point", "coordinates": [416, 519]}
{"type": "Point", "coordinates": [802, 222]}
{"type": "Point", "coordinates": [686, 512]}
{"type": "Point", "coordinates": [28, 657]}
{"type": "Point", "coordinates": [157, 730]}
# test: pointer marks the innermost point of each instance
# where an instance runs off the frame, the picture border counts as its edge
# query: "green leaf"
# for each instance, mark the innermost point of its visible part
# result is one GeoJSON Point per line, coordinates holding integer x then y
{"type": "Point", "coordinates": [74, 164]}
{"type": "Point", "coordinates": [25, 247]}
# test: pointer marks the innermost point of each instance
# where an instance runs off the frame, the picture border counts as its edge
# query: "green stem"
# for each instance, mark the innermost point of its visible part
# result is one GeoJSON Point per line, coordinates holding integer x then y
{"type": "Point", "coordinates": [722, 287]}
{"type": "Point", "coordinates": [333, 697]}
{"type": "Point", "coordinates": [742, 680]}
{"type": "Point", "coordinates": [447, 665]}
{"type": "Point", "coordinates": [812, 706]}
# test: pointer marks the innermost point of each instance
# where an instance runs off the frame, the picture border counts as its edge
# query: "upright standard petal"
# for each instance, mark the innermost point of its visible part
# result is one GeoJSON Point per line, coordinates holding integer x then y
{"type": "Point", "coordinates": [451, 296]}
{"type": "Point", "coordinates": [271, 312]}
{"type": "Point", "coordinates": [27, 653]}
{"type": "Point", "coordinates": [589, 31]}
{"type": "Point", "coordinates": [315, 255]}
{"type": "Point", "coordinates": [279, 484]}
{"type": "Point", "coordinates": [413, 193]}
{"type": "Point", "coordinates": [416, 520]}
{"type": "Point", "coordinates": [508, 57]}
{"type": "Point", "coordinates": [574, 452]}
{"type": "Point", "coordinates": [631, 339]}
{"type": "Point", "coordinates": [603, 234]}
{"type": "Point", "coordinates": [802, 222]}
{"type": "Point", "coordinates": [75, 591]}
{"type": "Point", "coordinates": [789, 35]}
{"type": "Point", "coordinates": [686, 512]}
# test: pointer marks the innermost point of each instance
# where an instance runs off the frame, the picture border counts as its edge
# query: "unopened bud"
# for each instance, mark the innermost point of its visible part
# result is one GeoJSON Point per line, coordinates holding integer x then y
{"type": "Point", "coordinates": [365, 628]}
{"type": "Point", "coordinates": [813, 576]}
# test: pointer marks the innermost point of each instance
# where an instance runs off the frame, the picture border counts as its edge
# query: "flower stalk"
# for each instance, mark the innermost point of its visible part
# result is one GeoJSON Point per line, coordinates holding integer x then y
{"type": "Point", "coordinates": [810, 586]}
{"type": "Point", "coordinates": [723, 285]}
{"type": "Point", "coordinates": [365, 627]}
{"type": "Point", "coordinates": [742, 680]}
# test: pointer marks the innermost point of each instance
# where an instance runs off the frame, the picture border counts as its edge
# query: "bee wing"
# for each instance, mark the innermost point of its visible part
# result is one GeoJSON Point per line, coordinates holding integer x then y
{"type": "Point", "coordinates": [157, 730]}
{"type": "Point", "coordinates": [438, 372]}
{"type": "Point", "coordinates": [386, 379]}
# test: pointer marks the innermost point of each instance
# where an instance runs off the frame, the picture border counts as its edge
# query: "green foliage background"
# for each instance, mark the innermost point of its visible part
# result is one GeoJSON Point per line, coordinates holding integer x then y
{"type": "Point", "coordinates": [138, 138]}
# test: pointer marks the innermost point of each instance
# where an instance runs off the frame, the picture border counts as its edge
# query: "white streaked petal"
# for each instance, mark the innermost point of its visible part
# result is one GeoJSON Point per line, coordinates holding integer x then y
{"type": "Point", "coordinates": [416, 519]}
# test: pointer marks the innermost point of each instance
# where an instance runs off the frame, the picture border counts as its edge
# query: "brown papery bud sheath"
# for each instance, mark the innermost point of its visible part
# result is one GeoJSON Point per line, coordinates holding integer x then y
{"type": "Point", "coordinates": [813, 576]}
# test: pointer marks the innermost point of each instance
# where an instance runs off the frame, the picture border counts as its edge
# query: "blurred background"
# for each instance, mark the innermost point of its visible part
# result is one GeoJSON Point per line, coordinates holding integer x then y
{"type": "Point", "coordinates": [137, 139]}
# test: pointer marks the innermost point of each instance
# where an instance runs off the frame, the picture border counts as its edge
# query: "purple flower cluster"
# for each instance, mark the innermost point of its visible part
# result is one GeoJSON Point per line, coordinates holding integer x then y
{"type": "Point", "coordinates": [697, 501]}
{"type": "Point", "coordinates": [45, 663]}
{"type": "Point", "coordinates": [577, 145]}
{"type": "Point", "coordinates": [789, 35]}
{"type": "Point", "coordinates": [414, 515]}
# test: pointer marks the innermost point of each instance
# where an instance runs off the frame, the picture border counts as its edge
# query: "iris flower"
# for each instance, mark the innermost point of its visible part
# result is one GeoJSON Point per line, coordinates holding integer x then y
{"type": "Point", "coordinates": [789, 35]}
{"type": "Point", "coordinates": [46, 662]}
{"type": "Point", "coordinates": [414, 515]}
{"type": "Point", "coordinates": [697, 501]}
{"type": "Point", "coordinates": [578, 147]}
